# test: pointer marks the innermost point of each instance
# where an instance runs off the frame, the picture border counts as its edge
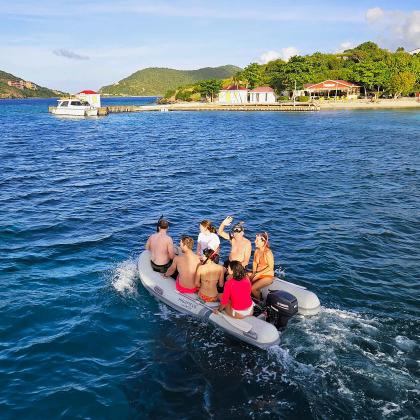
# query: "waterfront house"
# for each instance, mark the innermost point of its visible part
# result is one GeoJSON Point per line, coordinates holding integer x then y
{"type": "Point", "coordinates": [333, 89]}
{"type": "Point", "coordinates": [233, 95]}
{"type": "Point", "coordinates": [90, 96]}
{"type": "Point", "coordinates": [262, 95]}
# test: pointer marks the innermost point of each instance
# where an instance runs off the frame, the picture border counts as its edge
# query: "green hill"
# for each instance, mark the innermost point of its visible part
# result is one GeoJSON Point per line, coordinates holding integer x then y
{"type": "Point", "coordinates": [157, 81]}
{"type": "Point", "coordinates": [7, 91]}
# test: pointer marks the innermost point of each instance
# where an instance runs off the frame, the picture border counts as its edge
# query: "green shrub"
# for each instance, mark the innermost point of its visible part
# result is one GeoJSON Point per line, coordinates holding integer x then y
{"type": "Point", "coordinates": [169, 94]}
{"type": "Point", "coordinates": [282, 98]}
{"type": "Point", "coordinates": [303, 98]}
{"type": "Point", "coordinates": [183, 95]}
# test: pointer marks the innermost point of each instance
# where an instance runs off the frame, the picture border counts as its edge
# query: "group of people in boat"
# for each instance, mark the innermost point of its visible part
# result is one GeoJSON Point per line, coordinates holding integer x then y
{"type": "Point", "coordinates": [199, 271]}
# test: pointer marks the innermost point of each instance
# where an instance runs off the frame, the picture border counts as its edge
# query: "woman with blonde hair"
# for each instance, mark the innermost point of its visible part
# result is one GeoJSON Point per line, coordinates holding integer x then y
{"type": "Point", "coordinates": [263, 265]}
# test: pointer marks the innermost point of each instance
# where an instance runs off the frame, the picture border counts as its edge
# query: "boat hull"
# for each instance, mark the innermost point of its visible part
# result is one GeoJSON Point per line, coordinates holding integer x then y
{"type": "Point", "coordinates": [251, 330]}
{"type": "Point", "coordinates": [77, 112]}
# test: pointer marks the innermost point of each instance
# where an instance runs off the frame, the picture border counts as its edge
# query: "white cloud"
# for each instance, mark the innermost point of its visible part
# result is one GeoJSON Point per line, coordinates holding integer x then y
{"type": "Point", "coordinates": [374, 14]}
{"type": "Point", "coordinates": [347, 45]}
{"type": "Point", "coordinates": [395, 28]}
{"type": "Point", "coordinates": [284, 54]}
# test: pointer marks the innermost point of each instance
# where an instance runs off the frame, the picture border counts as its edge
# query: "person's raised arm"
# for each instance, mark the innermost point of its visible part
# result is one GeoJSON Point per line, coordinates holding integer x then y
{"type": "Point", "coordinates": [171, 269]}
{"type": "Point", "coordinates": [221, 231]}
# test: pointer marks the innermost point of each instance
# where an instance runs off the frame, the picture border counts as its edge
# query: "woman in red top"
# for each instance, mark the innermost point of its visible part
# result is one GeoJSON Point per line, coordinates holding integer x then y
{"type": "Point", "coordinates": [236, 298]}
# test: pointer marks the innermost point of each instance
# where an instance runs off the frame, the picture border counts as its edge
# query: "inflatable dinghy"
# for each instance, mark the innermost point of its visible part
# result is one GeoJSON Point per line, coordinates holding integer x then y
{"type": "Point", "coordinates": [282, 298]}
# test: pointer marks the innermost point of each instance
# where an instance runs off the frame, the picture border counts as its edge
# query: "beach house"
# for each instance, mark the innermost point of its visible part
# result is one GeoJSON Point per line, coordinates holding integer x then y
{"type": "Point", "coordinates": [262, 95]}
{"type": "Point", "coordinates": [90, 96]}
{"type": "Point", "coordinates": [332, 89]}
{"type": "Point", "coordinates": [233, 95]}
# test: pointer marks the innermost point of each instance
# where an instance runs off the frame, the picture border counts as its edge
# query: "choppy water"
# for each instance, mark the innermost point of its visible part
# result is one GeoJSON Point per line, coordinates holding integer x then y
{"type": "Point", "coordinates": [339, 194]}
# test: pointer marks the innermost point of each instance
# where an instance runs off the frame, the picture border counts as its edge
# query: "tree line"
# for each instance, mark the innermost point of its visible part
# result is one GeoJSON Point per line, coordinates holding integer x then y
{"type": "Point", "coordinates": [377, 70]}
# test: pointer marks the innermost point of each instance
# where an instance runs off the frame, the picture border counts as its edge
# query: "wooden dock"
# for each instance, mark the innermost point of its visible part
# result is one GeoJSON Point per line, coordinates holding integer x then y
{"type": "Point", "coordinates": [194, 106]}
{"type": "Point", "coordinates": [287, 107]}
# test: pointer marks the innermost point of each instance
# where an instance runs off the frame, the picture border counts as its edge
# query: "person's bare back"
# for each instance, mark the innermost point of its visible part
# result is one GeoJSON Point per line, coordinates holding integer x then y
{"type": "Point", "coordinates": [161, 247]}
{"type": "Point", "coordinates": [207, 277]}
{"type": "Point", "coordinates": [186, 264]}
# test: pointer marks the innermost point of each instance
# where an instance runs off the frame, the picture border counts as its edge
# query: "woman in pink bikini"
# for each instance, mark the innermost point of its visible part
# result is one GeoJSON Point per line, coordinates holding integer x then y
{"type": "Point", "coordinates": [236, 298]}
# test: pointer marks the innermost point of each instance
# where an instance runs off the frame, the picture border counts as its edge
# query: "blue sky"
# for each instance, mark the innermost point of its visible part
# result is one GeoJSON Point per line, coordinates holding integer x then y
{"type": "Point", "coordinates": [78, 44]}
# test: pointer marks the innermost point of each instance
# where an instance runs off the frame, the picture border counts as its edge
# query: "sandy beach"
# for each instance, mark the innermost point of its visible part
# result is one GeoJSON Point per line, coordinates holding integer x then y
{"type": "Point", "coordinates": [368, 104]}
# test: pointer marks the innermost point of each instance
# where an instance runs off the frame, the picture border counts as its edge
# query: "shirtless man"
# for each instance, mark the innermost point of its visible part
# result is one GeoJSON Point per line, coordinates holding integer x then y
{"type": "Point", "coordinates": [240, 246]}
{"type": "Point", "coordinates": [161, 247]}
{"type": "Point", "coordinates": [186, 264]}
{"type": "Point", "coordinates": [208, 277]}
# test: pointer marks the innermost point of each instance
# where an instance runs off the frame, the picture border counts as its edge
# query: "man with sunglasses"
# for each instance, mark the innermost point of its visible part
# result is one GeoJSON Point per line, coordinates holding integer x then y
{"type": "Point", "coordinates": [240, 246]}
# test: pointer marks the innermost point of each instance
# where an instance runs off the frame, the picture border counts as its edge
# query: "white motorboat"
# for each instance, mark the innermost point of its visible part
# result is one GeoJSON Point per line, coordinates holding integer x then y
{"type": "Point", "coordinates": [74, 107]}
{"type": "Point", "coordinates": [283, 300]}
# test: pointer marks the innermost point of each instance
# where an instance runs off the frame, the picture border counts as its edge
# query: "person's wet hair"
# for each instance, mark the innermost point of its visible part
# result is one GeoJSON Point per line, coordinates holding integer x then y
{"type": "Point", "coordinates": [207, 225]}
{"type": "Point", "coordinates": [187, 241]}
{"type": "Point", "coordinates": [208, 252]}
{"type": "Point", "coordinates": [162, 224]}
{"type": "Point", "coordinates": [238, 270]}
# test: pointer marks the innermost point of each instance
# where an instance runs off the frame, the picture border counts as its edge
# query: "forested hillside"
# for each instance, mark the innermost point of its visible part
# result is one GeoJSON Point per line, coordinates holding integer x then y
{"type": "Point", "coordinates": [156, 81]}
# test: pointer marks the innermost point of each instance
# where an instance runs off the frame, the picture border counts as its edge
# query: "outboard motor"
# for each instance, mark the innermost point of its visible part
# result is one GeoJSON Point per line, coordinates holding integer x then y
{"type": "Point", "coordinates": [281, 306]}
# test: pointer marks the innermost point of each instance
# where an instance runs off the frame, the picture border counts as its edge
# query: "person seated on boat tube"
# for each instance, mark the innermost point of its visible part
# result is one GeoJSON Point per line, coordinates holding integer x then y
{"type": "Point", "coordinates": [208, 238]}
{"type": "Point", "coordinates": [236, 299]}
{"type": "Point", "coordinates": [240, 246]}
{"type": "Point", "coordinates": [161, 247]}
{"type": "Point", "coordinates": [208, 276]}
{"type": "Point", "coordinates": [263, 265]}
{"type": "Point", "coordinates": [186, 264]}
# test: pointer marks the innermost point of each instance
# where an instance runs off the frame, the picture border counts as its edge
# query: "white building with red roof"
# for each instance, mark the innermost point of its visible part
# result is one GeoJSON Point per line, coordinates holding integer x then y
{"type": "Point", "coordinates": [262, 95]}
{"type": "Point", "coordinates": [233, 95]}
{"type": "Point", "coordinates": [94, 98]}
{"type": "Point", "coordinates": [331, 88]}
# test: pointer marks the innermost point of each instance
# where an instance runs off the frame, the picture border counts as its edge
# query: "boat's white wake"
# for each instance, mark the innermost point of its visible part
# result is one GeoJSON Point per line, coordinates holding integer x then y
{"type": "Point", "coordinates": [124, 277]}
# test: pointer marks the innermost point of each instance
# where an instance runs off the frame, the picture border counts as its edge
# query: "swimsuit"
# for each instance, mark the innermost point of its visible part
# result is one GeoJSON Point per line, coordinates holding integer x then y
{"type": "Point", "coordinates": [245, 312]}
{"type": "Point", "coordinates": [183, 289]}
{"type": "Point", "coordinates": [257, 276]}
{"type": "Point", "coordinates": [207, 298]}
{"type": "Point", "coordinates": [161, 268]}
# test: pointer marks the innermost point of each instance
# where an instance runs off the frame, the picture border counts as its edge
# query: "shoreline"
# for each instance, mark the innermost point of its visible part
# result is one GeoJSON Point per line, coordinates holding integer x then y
{"type": "Point", "coordinates": [403, 103]}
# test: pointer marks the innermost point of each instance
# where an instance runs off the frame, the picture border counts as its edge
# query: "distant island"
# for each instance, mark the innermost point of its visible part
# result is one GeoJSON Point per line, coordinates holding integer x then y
{"type": "Point", "coordinates": [156, 81]}
{"type": "Point", "coordinates": [13, 87]}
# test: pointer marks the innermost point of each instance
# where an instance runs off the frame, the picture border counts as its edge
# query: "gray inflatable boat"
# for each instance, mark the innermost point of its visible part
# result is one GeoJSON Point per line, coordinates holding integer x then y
{"type": "Point", "coordinates": [253, 330]}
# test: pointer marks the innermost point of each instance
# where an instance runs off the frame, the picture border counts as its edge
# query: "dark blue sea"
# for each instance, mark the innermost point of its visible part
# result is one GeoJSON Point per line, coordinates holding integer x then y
{"type": "Point", "coordinates": [338, 192]}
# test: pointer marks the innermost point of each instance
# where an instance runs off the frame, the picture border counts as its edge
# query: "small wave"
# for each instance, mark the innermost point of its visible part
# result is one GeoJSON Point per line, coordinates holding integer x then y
{"type": "Point", "coordinates": [405, 343]}
{"type": "Point", "coordinates": [124, 277]}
